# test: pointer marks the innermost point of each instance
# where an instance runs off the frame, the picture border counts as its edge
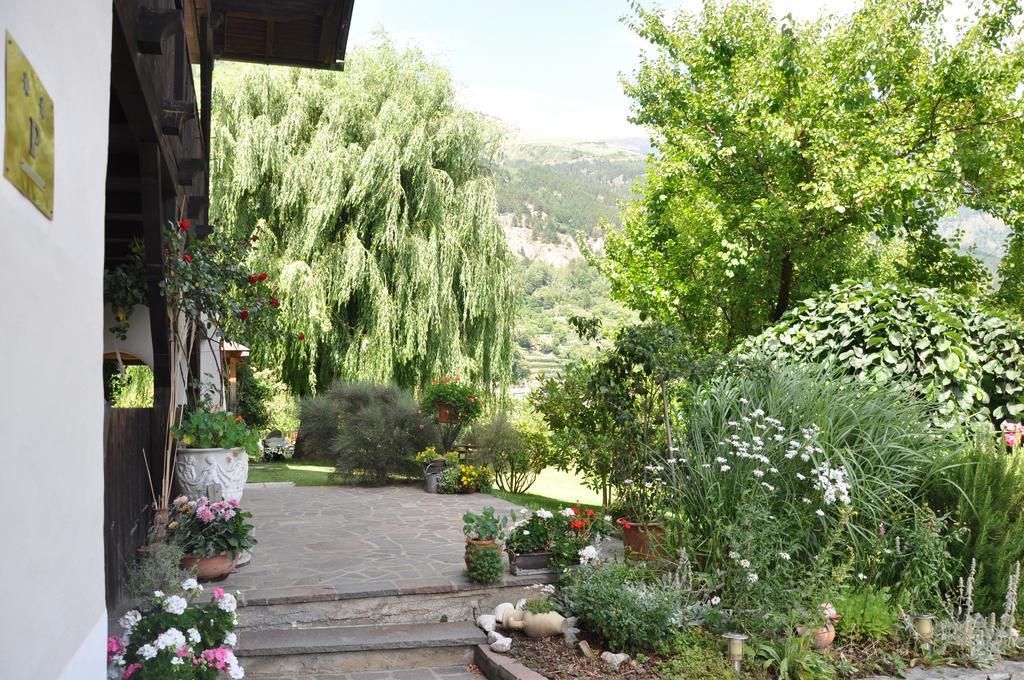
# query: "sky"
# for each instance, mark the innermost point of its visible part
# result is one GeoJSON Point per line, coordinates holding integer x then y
{"type": "Point", "coordinates": [548, 67]}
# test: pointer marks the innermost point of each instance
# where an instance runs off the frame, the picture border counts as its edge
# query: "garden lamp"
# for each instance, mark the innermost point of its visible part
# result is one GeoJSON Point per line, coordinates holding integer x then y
{"type": "Point", "coordinates": [924, 624]}
{"type": "Point", "coordinates": [735, 649]}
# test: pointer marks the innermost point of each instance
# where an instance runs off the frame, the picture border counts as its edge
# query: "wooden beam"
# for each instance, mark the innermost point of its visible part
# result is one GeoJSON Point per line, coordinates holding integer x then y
{"type": "Point", "coordinates": [155, 26]}
{"type": "Point", "coordinates": [150, 166]}
{"type": "Point", "coordinates": [329, 33]}
{"type": "Point", "coordinates": [187, 169]}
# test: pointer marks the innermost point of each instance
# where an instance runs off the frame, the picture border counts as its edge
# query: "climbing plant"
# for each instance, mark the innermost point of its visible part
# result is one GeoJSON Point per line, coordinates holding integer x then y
{"type": "Point", "coordinates": [368, 194]}
{"type": "Point", "coordinates": [938, 345]}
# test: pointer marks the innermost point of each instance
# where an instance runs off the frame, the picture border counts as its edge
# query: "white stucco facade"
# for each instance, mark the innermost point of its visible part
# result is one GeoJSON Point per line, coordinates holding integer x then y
{"type": "Point", "coordinates": [52, 616]}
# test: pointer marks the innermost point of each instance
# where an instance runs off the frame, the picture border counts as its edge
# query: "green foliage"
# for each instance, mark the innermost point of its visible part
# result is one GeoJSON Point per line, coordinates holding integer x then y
{"type": "Point", "coordinates": [159, 568]}
{"type": "Point", "coordinates": [794, 155]}
{"type": "Point", "coordinates": [255, 390]}
{"type": "Point", "coordinates": [532, 536]}
{"type": "Point", "coordinates": [487, 526]}
{"type": "Point", "coordinates": [203, 428]}
{"type": "Point", "coordinates": [783, 469]}
{"type": "Point", "coordinates": [370, 195]}
{"type": "Point", "coordinates": [793, 658]}
{"type": "Point", "coordinates": [124, 287]}
{"type": "Point", "coordinates": [866, 614]}
{"type": "Point", "coordinates": [622, 604]}
{"type": "Point", "coordinates": [986, 493]}
{"type": "Point", "coordinates": [516, 452]}
{"type": "Point", "coordinates": [371, 432]}
{"type": "Point", "coordinates": [934, 345]}
{"type": "Point", "coordinates": [484, 563]}
{"type": "Point", "coordinates": [540, 606]}
{"type": "Point", "coordinates": [200, 527]}
{"type": "Point", "coordinates": [461, 397]}
{"type": "Point", "coordinates": [448, 480]}
{"type": "Point", "coordinates": [694, 654]}
{"type": "Point", "coordinates": [133, 388]}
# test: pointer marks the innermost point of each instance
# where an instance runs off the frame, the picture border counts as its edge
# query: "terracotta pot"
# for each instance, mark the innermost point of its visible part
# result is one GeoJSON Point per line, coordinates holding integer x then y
{"type": "Point", "coordinates": [537, 560]}
{"type": "Point", "coordinates": [823, 636]}
{"type": "Point", "coordinates": [209, 568]}
{"type": "Point", "coordinates": [643, 541]}
{"type": "Point", "coordinates": [446, 414]}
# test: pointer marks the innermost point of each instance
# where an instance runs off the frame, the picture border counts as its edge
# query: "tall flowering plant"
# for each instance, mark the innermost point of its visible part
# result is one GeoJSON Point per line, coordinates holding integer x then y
{"type": "Point", "coordinates": [175, 637]}
{"type": "Point", "coordinates": [209, 529]}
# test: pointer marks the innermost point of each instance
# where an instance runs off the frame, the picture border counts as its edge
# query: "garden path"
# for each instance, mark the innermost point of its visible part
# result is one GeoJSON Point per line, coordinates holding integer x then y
{"type": "Point", "coordinates": [341, 540]}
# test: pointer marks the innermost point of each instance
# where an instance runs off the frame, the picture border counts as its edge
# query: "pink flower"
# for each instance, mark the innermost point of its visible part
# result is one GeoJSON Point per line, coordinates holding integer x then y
{"type": "Point", "coordinates": [217, 593]}
{"type": "Point", "coordinates": [227, 514]}
{"type": "Point", "coordinates": [130, 670]}
{"type": "Point", "coordinates": [114, 646]}
{"type": "Point", "coordinates": [204, 513]}
{"type": "Point", "coordinates": [1012, 433]}
{"type": "Point", "coordinates": [183, 651]}
{"type": "Point", "coordinates": [233, 503]}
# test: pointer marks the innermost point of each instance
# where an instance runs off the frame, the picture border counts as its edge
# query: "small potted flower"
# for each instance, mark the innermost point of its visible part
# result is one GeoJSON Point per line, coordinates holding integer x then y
{"type": "Point", "coordinates": [213, 448]}
{"type": "Point", "coordinates": [435, 463]}
{"type": "Point", "coordinates": [456, 403]}
{"type": "Point", "coordinates": [529, 544]}
{"type": "Point", "coordinates": [473, 478]}
{"type": "Point", "coordinates": [483, 551]}
{"type": "Point", "coordinates": [173, 636]}
{"type": "Point", "coordinates": [211, 534]}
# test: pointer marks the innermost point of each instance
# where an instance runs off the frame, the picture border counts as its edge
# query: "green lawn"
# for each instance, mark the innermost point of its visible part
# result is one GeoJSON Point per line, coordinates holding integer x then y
{"type": "Point", "coordinates": [303, 474]}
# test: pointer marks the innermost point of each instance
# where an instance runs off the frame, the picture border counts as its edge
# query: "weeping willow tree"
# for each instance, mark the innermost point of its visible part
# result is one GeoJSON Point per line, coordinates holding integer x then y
{"type": "Point", "coordinates": [369, 194]}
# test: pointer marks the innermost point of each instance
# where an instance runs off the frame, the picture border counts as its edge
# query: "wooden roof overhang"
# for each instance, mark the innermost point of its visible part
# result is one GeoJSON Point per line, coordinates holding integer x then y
{"type": "Point", "coordinates": [308, 33]}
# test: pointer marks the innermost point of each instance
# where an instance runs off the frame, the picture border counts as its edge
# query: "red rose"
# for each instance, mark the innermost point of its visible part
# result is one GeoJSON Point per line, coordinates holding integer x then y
{"type": "Point", "coordinates": [244, 314]}
{"type": "Point", "coordinates": [186, 257]}
{"type": "Point", "coordinates": [253, 278]}
{"type": "Point", "coordinates": [184, 225]}
{"type": "Point", "coordinates": [302, 336]}
{"type": "Point", "coordinates": [254, 238]}
{"type": "Point", "coordinates": [274, 302]}
{"type": "Point", "coordinates": [263, 277]}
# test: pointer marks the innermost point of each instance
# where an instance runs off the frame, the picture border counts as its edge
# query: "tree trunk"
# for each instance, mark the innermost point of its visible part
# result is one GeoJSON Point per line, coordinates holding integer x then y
{"type": "Point", "coordinates": [785, 287]}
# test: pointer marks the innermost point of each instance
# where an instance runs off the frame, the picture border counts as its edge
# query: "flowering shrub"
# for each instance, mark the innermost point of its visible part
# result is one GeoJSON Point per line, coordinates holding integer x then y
{"type": "Point", "coordinates": [209, 529]}
{"type": "Point", "coordinates": [177, 638]}
{"type": "Point", "coordinates": [473, 478]}
{"type": "Point", "coordinates": [569, 534]}
{"type": "Point", "coordinates": [210, 428]}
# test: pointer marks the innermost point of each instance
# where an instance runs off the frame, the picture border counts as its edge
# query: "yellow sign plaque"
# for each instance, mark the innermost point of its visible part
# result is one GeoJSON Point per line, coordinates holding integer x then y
{"type": "Point", "coordinates": [28, 147]}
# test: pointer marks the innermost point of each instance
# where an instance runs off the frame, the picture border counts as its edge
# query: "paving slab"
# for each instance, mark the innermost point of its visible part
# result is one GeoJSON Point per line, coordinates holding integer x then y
{"type": "Point", "coordinates": [358, 638]}
{"type": "Point", "coordinates": [321, 543]}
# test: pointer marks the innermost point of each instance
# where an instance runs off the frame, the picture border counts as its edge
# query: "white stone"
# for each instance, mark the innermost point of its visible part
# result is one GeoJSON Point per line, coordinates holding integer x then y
{"type": "Point", "coordinates": [521, 603]}
{"type": "Point", "coordinates": [614, 660]}
{"type": "Point", "coordinates": [486, 622]}
{"type": "Point", "coordinates": [502, 644]}
{"type": "Point", "coordinates": [198, 469]}
{"type": "Point", "coordinates": [501, 610]}
{"type": "Point", "coordinates": [493, 636]}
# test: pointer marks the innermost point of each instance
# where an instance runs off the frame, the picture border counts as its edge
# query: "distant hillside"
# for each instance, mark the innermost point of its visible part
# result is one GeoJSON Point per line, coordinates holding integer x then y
{"type": "Point", "coordinates": [548, 193]}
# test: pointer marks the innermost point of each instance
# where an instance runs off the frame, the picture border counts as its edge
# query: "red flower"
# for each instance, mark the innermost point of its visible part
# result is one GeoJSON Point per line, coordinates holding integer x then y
{"type": "Point", "coordinates": [254, 238]}
{"type": "Point", "coordinates": [253, 278]}
{"type": "Point", "coordinates": [624, 524]}
{"type": "Point", "coordinates": [263, 277]}
{"type": "Point", "coordinates": [577, 524]}
{"type": "Point", "coordinates": [302, 336]}
{"type": "Point", "coordinates": [184, 225]}
{"type": "Point", "coordinates": [589, 512]}
{"type": "Point", "coordinates": [186, 257]}
{"type": "Point", "coordinates": [244, 314]}
{"type": "Point", "coordinates": [274, 302]}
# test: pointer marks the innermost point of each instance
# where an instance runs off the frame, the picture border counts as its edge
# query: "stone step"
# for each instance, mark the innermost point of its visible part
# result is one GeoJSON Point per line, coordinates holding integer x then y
{"type": "Point", "coordinates": [307, 652]}
{"type": "Point", "coordinates": [439, 601]}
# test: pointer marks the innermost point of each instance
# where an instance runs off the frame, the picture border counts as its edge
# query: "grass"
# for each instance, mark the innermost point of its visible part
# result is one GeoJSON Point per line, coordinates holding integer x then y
{"type": "Point", "coordinates": [303, 474]}
{"type": "Point", "coordinates": [553, 490]}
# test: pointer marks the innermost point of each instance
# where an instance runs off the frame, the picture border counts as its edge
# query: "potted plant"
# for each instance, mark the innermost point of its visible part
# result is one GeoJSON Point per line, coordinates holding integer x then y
{"type": "Point", "coordinates": [822, 636]}
{"type": "Point", "coordinates": [435, 463]}
{"type": "Point", "coordinates": [642, 495]}
{"type": "Point", "coordinates": [456, 404]}
{"type": "Point", "coordinates": [213, 448]}
{"type": "Point", "coordinates": [483, 551]}
{"type": "Point", "coordinates": [529, 544]}
{"type": "Point", "coordinates": [474, 478]}
{"type": "Point", "coordinates": [211, 534]}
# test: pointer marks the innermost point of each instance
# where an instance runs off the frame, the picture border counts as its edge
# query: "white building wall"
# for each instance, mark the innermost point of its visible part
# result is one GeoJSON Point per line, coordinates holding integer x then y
{"type": "Point", "coordinates": [53, 618]}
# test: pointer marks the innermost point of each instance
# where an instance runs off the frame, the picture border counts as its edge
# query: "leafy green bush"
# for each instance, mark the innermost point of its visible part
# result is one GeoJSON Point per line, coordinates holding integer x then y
{"type": "Point", "coordinates": [484, 563]}
{"type": "Point", "coordinates": [265, 402]}
{"type": "Point", "coordinates": [939, 346]}
{"type": "Point", "coordinates": [516, 454]}
{"type": "Point", "coordinates": [372, 432]}
{"type": "Point", "coordinates": [794, 658]}
{"type": "Point", "coordinates": [203, 428]}
{"type": "Point", "coordinates": [622, 603]}
{"type": "Point", "coordinates": [786, 470]}
{"type": "Point", "coordinates": [865, 614]}
{"type": "Point", "coordinates": [694, 653]}
{"type": "Point", "coordinates": [448, 480]}
{"type": "Point", "coordinates": [986, 493]}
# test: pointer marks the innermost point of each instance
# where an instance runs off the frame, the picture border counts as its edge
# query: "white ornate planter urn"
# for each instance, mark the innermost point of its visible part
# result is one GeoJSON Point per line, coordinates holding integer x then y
{"type": "Point", "coordinates": [197, 469]}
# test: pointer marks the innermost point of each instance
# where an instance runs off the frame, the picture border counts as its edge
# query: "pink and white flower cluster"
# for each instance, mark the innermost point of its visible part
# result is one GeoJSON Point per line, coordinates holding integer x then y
{"type": "Point", "coordinates": [180, 645]}
{"type": "Point", "coordinates": [207, 511]}
{"type": "Point", "coordinates": [1013, 433]}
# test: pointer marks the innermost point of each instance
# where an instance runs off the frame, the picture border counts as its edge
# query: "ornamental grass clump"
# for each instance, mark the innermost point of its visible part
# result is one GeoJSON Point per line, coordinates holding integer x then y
{"type": "Point", "coordinates": [175, 637]}
{"type": "Point", "coordinates": [205, 528]}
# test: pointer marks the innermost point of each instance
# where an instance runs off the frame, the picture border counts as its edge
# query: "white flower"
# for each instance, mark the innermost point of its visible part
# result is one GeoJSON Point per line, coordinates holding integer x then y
{"type": "Point", "coordinates": [523, 511]}
{"type": "Point", "coordinates": [230, 639]}
{"type": "Point", "coordinates": [627, 482]}
{"type": "Point", "coordinates": [588, 554]}
{"type": "Point", "coordinates": [670, 461]}
{"type": "Point", "coordinates": [158, 593]}
{"type": "Point", "coordinates": [759, 473]}
{"type": "Point", "coordinates": [745, 564]}
{"type": "Point", "coordinates": [733, 555]}
{"type": "Point", "coordinates": [725, 468]}
{"type": "Point", "coordinates": [130, 619]}
{"type": "Point", "coordinates": [227, 602]}
{"type": "Point", "coordinates": [548, 588]}
{"type": "Point", "coordinates": [194, 636]}
{"type": "Point", "coordinates": [800, 477]}
{"type": "Point", "coordinates": [176, 661]}
{"type": "Point", "coordinates": [568, 512]}
{"type": "Point", "coordinates": [819, 512]}
{"type": "Point", "coordinates": [720, 460]}
{"type": "Point", "coordinates": [715, 600]}
{"type": "Point", "coordinates": [862, 577]}
{"type": "Point", "coordinates": [526, 532]}
{"type": "Point", "coordinates": [171, 638]}
{"type": "Point", "coordinates": [607, 518]}
{"type": "Point", "coordinates": [146, 651]}
{"type": "Point", "coordinates": [784, 555]}
{"type": "Point", "coordinates": [752, 577]}
{"type": "Point", "coordinates": [175, 604]}
{"type": "Point", "coordinates": [544, 514]}
{"type": "Point", "coordinates": [806, 500]}
{"type": "Point", "coordinates": [190, 584]}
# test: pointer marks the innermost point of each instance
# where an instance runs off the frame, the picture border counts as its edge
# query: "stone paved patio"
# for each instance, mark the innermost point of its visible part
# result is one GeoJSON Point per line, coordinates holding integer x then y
{"type": "Point", "coordinates": [346, 540]}
{"type": "Point", "coordinates": [448, 673]}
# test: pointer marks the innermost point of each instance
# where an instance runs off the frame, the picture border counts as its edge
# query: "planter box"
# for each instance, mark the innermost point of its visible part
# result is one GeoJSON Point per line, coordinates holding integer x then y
{"type": "Point", "coordinates": [538, 560]}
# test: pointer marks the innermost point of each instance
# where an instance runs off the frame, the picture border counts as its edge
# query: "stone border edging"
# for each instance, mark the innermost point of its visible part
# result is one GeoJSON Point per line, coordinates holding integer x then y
{"type": "Point", "coordinates": [496, 666]}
